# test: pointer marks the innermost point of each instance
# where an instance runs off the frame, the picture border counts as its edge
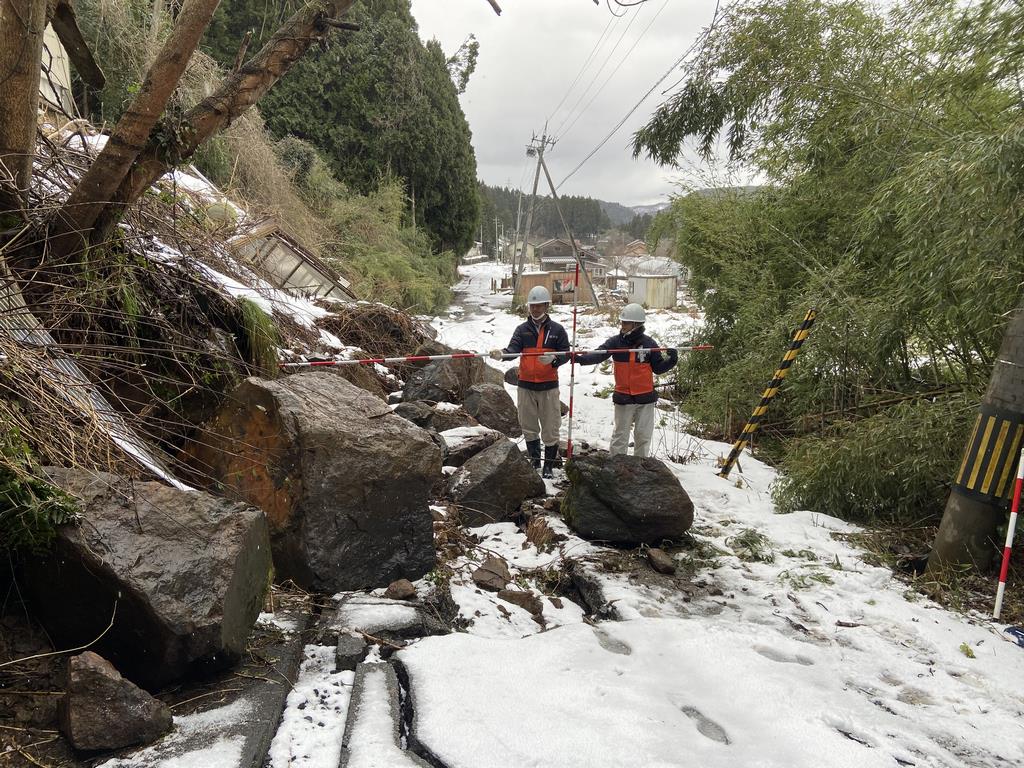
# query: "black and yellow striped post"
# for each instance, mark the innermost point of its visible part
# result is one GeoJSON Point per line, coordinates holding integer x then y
{"type": "Point", "coordinates": [987, 470]}
{"type": "Point", "coordinates": [773, 389]}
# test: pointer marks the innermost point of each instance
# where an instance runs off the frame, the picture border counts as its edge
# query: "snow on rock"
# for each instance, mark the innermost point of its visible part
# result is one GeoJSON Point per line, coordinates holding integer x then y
{"type": "Point", "coordinates": [373, 615]}
{"type": "Point", "coordinates": [176, 749]}
{"type": "Point", "coordinates": [456, 438]}
{"type": "Point", "coordinates": [313, 722]}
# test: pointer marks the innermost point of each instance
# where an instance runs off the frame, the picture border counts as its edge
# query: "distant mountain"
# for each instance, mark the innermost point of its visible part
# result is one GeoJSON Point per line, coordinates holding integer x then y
{"type": "Point", "coordinates": [640, 210]}
{"type": "Point", "coordinates": [617, 213]}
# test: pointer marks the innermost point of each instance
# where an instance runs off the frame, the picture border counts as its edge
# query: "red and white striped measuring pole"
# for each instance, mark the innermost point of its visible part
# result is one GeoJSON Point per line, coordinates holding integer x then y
{"type": "Point", "coordinates": [467, 355]}
{"type": "Point", "coordinates": [572, 360]}
{"type": "Point", "coordinates": [1014, 509]}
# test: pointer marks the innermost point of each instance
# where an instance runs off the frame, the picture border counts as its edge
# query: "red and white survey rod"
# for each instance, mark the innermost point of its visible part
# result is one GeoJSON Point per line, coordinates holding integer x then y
{"type": "Point", "coordinates": [465, 355]}
{"type": "Point", "coordinates": [1014, 509]}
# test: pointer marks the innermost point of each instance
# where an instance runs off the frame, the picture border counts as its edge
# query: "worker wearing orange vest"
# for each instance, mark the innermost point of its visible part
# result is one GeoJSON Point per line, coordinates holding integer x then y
{"type": "Point", "coordinates": [634, 395]}
{"type": "Point", "coordinates": [540, 414]}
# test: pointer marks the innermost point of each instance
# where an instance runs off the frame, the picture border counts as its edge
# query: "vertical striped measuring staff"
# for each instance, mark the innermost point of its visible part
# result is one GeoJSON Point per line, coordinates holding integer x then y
{"type": "Point", "coordinates": [1014, 509]}
{"type": "Point", "coordinates": [773, 389]}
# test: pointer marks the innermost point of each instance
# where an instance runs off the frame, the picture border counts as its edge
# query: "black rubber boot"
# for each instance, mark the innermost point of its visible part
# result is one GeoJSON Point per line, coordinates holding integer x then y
{"type": "Point", "coordinates": [551, 460]}
{"type": "Point", "coordinates": [533, 451]}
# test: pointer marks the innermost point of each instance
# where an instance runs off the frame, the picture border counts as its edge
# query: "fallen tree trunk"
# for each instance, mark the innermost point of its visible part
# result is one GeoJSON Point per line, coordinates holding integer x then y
{"type": "Point", "coordinates": [70, 228]}
{"type": "Point", "coordinates": [236, 94]}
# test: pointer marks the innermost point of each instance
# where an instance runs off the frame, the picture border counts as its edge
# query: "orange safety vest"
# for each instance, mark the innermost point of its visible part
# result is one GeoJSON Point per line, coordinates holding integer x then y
{"type": "Point", "coordinates": [531, 369]}
{"type": "Point", "coordinates": [633, 378]}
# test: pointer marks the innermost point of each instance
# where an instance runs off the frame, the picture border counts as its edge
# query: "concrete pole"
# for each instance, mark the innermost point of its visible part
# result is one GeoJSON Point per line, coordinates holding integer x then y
{"type": "Point", "coordinates": [981, 490]}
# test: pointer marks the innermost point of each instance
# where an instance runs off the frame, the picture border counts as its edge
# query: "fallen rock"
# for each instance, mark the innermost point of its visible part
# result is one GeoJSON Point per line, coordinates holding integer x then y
{"type": "Point", "coordinates": [660, 561]}
{"type": "Point", "coordinates": [512, 375]}
{"type": "Point", "coordinates": [402, 589]}
{"type": "Point", "coordinates": [492, 406]}
{"type": "Point", "coordinates": [492, 485]}
{"type": "Point", "coordinates": [103, 711]}
{"type": "Point", "coordinates": [344, 482]}
{"type": "Point", "coordinates": [351, 652]}
{"type": "Point", "coordinates": [362, 376]}
{"type": "Point", "coordinates": [182, 574]}
{"type": "Point", "coordinates": [464, 443]}
{"type": "Point", "coordinates": [625, 500]}
{"type": "Point", "coordinates": [449, 380]}
{"type": "Point", "coordinates": [528, 601]}
{"type": "Point", "coordinates": [440, 417]}
{"type": "Point", "coordinates": [492, 575]}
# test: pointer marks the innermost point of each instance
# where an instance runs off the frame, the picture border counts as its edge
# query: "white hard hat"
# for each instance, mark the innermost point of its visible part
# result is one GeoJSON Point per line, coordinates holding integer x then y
{"type": "Point", "coordinates": [538, 295]}
{"type": "Point", "coordinates": [632, 313]}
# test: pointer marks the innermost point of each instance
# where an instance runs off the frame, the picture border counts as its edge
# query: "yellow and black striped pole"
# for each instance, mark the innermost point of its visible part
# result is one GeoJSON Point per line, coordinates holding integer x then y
{"type": "Point", "coordinates": [773, 389]}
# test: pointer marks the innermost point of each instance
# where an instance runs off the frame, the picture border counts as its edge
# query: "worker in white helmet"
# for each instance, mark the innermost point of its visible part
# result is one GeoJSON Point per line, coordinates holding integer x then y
{"type": "Point", "coordinates": [634, 395]}
{"type": "Point", "coordinates": [540, 414]}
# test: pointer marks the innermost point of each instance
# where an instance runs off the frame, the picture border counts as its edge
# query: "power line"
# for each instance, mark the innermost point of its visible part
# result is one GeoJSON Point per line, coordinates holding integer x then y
{"type": "Point", "coordinates": [615, 71]}
{"type": "Point", "coordinates": [584, 67]}
{"type": "Point", "coordinates": [699, 41]}
{"type": "Point", "coordinates": [599, 71]}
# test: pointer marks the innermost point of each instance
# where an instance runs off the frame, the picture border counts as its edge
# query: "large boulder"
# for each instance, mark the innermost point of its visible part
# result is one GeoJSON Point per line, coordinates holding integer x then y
{"type": "Point", "coordinates": [182, 574]}
{"type": "Point", "coordinates": [492, 485]}
{"type": "Point", "coordinates": [492, 406]}
{"type": "Point", "coordinates": [449, 380]}
{"type": "Point", "coordinates": [103, 711]}
{"type": "Point", "coordinates": [464, 443]}
{"type": "Point", "coordinates": [344, 482]}
{"type": "Point", "coordinates": [363, 377]}
{"type": "Point", "coordinates": [625, 500]}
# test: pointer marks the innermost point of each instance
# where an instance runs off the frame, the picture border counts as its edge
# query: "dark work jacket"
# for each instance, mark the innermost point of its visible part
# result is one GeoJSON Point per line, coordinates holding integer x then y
{"type": "Point", "coordinates": [634, 372]}
{"type": "Point", "coordinates": [525, 338]}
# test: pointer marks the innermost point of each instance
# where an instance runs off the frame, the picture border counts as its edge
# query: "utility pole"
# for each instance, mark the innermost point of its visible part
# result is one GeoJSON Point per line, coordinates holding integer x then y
{"type": "Point", "coordinates": [568, 233]}
{"type": "Point", "coordinates": [982, 487]}
{"type": "Point", "coordinates": [519, 217]}
{"type": "Point", "coordinates": [496, 238]}
{"type": "Point", "coordinates": [535, 149]}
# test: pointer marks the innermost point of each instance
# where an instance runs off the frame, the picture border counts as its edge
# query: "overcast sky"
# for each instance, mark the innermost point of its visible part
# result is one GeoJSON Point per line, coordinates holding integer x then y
{"type": "Point", "coordinates": [529, 57]}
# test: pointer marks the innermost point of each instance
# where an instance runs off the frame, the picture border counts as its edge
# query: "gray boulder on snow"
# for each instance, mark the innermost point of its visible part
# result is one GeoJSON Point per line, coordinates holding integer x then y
{"type": "Point", "coordinates": [492, 485]}
{"type": "Point", "coordinates": [492, 406]}
{"type": "Point", "coordinates": [182, 574]}
{"type": "Point", "coordinates": [345, 483]}
{"type": "Point", "coordinates": [625, 500]}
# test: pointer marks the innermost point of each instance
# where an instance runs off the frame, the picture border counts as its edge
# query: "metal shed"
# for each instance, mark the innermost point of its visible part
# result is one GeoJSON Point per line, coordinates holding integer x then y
{"type": "Point", "coordinates": [653, 291]}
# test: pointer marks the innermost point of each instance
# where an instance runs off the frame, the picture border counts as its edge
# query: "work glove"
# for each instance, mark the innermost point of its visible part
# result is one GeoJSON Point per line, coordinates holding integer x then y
{"type": "Point", "coordinates": [546, 359]}
{"type": "Point", "coordinates": [497, 354]}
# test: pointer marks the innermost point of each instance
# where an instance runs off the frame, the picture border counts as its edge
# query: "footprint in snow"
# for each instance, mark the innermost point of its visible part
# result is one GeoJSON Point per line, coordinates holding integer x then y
{"type": "Point", "coordinates": [773, 654]}
{"type": "Point", "coordinates": [705, 725]}
{"type": "Point", "coordinates": [610, 643]}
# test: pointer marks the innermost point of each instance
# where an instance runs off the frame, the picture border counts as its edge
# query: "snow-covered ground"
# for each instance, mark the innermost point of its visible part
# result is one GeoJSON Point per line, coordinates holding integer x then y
{"type": "Point", "coordinates": [814, 658]}
{"type": "Point", "coordinates": [789, 651]}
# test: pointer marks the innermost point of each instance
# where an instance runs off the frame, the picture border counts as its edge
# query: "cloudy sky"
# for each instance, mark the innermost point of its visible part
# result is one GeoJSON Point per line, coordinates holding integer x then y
{"type": "Point", "coordinates": [529, 58]}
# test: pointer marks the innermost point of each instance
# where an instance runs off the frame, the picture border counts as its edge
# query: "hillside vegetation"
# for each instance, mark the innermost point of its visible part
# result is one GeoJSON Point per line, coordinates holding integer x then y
{"type": "Point", "coordinates": [893, 143]}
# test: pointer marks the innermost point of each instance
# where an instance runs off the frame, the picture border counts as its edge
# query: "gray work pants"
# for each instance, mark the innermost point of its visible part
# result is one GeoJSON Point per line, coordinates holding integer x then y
{"type": "Point", "coordinates": [540, 414]}
{"type": "Point", "coordinates": [639, 418]}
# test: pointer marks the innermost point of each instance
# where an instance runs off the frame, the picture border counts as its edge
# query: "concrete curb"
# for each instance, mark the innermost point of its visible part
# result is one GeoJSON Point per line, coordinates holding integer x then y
{"type": "Point", "coordinates": [370, 734]}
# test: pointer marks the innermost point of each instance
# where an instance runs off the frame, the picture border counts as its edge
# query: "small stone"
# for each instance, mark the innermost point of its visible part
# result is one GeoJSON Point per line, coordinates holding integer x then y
{"type": "Point", "coordinates": [492, 575]}
{"type": "Point", "coordinates": [552, 503]}
{"type": "Point", "coordinates": [400, 590]}
{"type": "Point", "coordinates": [660, 561]}
{"type": "Point", "coordinates": [438, 515]}
{"type": "Point", "coordinates": [350, 652]}
{"type": "Point", "coordinates": [528, 601]}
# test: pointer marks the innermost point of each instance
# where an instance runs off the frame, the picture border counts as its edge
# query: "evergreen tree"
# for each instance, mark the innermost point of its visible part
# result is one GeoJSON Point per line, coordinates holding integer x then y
{"type": "Point", "coordinates": [377, 102]}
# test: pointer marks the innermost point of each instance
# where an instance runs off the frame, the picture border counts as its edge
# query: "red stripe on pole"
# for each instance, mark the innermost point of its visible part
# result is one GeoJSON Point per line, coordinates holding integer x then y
{"type": "Point", "coordinates": [1006, 565]}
